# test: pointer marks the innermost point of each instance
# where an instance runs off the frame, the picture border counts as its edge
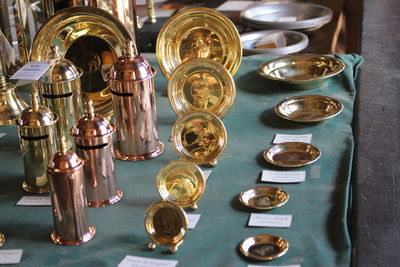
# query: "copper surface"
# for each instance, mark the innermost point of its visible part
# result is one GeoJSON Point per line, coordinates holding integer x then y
{"type": "Point", "coordinates": [11, 104]}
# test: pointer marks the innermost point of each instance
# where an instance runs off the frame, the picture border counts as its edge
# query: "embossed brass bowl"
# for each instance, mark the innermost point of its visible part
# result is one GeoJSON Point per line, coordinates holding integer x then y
{"type": "Point", "coordinates": [201, 85]}
{"type": "Point", "coordinates": [181, 182]}
{"type": "Point", "coordinates": [92, 39]}
{"type": "Point", "coordinates": [199, 137]}
{"type": "Point", "coordinates": [291, 154]}
{"type": "Point", "coordinates": [308, 108]}
{"type": "Point", "coordinates": [264, 197]}
{"type": "Point", "coordinates": [264, 247]}
{"type": "Point", "coordinates": [198, 33]}
{"type": "Point", "coordinates": [301, 71]}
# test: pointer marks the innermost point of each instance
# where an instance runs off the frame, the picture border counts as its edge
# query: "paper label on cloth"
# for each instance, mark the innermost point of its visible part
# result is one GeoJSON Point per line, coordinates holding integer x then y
{"type": "Point", "coordinates": [207, 173]}
{"type": "Point", "coordinates": [134, 261]}
{"type": "Point", "coordinates": [292, 265]}
{"type": "Point", "coordinates": [34, 201]}
{"type": "Point", "coordinates": [10, 256]}
{"type": "Point", "coordinates": [193, 219]}
{"type": "Point", "coordinates": [2, 135]}
{"type": "Point", "coordinates": [281, 138]}
{"type": "Point", "coordinates": [7, 53]}
{"type": "Point", "coordinates": [32, 70]}
{"type": "Point", "coordinates": [283, 176]}
{"type": "Point", "coordinates": [270, 220]}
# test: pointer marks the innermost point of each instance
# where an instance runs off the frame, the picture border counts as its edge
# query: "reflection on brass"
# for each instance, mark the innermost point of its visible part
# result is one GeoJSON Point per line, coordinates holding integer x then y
{"type": "Point", "coordinates": [308, 108]}
{"type": "Point", "coordinates": [48, 8]}
{"type": "Point", "coordinates": [166, 224]}
{"type": "Point", "coordinates": [201, 85]}
{"type": "Point", "coordinates": [301, 71]}
{"type": "Point", "coordinates": [11, 104]}
{"type": "Point", "coordinates": [2, 239]}
{"type": "Point", "coordinates": [264, 197]}
{"type": "Point", "coordinates": [151, 11]}
{"type": "Point", "coordinates": [181, 182]}
{"type": "Point", "coordinates": [264, 247]}
{"type": "Point", "coordinates": [198, 33]}
{"type": "Point", "coordinates": [291, 154]}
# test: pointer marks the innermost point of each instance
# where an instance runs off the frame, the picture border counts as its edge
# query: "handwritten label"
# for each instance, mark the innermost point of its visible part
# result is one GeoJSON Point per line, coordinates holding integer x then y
{"type": "Point", "coordinates": [2, 135]}
{"type": "Point", "coordinates": [207, 173]}
{"type": "Point", "coordinates": [31, 71]}
{"type": "Point", "coordinates": [292, 265]}
{"type": "Point", "coordinates": [10, 256]}
{"type": "Point", "coordinates": [134, 261]}
{"type": "Point", "coordinates": [193, 219]}
{"type": "Point", "coordinates": [270, 220]}
{"type": "Point", "coordinates": [34, 201]}
{"type": "Point", "coordinates": [281, 138]}
{"type": "Point", "coordinates": [283, 176]}
{"type": "Point", "coordinates": [7, 53]}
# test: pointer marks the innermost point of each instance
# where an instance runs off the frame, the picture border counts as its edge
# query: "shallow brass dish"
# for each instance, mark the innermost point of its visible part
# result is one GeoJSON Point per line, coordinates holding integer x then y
{"type": "Point", "coordinates": [92, 39]}
{"type": "Point", "coordinates": [264, 197]}
{"type": "Point", "coordinates": [301, 71]}
{"type": "Point", "coordinates": [2, 239]}
{"type": "Point", "coordinates": [201, 85]}
{"type": "Point", "coordinates": [199, 137]}
{"type": "Point", "coordinates": [264, 247]}
{"type": "Point", "coordinates": [291, 154]}
{"type": "Point", "coordinates": [198, 33]}
{"type": "Point", "coordinates": [181, 182]}
{"type": "Point", "coordinates": [308, 108]}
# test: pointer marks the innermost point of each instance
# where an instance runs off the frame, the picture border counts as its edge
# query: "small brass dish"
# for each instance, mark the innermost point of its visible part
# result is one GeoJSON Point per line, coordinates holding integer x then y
{"type": "Point", "coordinates": [291, 154]}
{"type": "Point", "coordinates": [2, 239]}
{"type": "Point", "coordinates": [264, 197]}
{"type": "Point", "coordinates": [181, 182]}
{"type": "Point", "coordinates": [308, 108]}
{"type": "Point", "coordinates": [198, 33]}
{"type": "Point", "coordinates": [201, 85]}
{"type": "Point", "coordinates": [301, 71]}
{"type": "Point", "coordinates": [166, 224]}
{"type": "Point", "coordinates": [199, 137]}
{"type": "Point", "coordinates": [264, 247]}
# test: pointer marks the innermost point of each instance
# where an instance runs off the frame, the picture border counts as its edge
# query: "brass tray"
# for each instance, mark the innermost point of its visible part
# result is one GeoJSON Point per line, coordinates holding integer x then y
{"type": "Point", "coordinates": [291, 154]}
{"type": "Point", "coordinates": [181, 182]}
{"type": "Point", "coordinates": [264, 197]}
{"type": "Point", "coordinates": [201, 85]}
{"type": "Point", "coordinates": [308, 108]}
{"type": "Point", "coordinates": [301, 71]}
{"type": "Point", "coordinates": [198, 33]}
{"type": "Point", "coordinates": [199, 137]}
{"type": "Point", "coordinates": [92, 39]}
{"type": "Point", "coordinates": [264, 247]}
{"type": "Point", "coordinates": [2, 239]}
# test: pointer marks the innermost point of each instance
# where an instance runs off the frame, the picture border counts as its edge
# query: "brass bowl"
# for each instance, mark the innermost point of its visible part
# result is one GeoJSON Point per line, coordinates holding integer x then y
{"type": "Point", "coordinates": [264, 247]}
{"type": "Point", "coordinates": [264, 197]}
{"type": "Point", "coordinates": [301, 71]}
{"type": "Point", "coordinates": [291, 154]}
{"type": "Point", "coordinates": [308, 108]}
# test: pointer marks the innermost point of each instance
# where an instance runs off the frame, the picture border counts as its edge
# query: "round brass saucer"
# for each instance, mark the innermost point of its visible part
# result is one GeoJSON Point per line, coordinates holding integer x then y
{"type": "Point", "coordinates": [199, 137]}
{"type": "Point", "coordinates": [291, 154]}
{"type": "Point", "coordinates": [264, 197]}
{"type": "Point", "coordinates": [181, 182]}
{"type": "Point", "coordinates": [201, 85]}
{"type": "Point", "coordinates": [308, 108]}
{"type": "Point", "coordinates": [198, 33]}
{"type": "Point", "coordinates": [264, 247]}
{"type": "Point", "coordinates": [2, 239]}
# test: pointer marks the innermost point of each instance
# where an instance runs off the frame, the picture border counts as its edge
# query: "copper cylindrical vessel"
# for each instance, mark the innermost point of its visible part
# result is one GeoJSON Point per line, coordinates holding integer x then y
{"type": "Point", "coordinates": [134, 104]}
{"type": "Point", "coordinates": [68, 198]}
{"type": "Point", "coordinates": [36, 128]}
{"type": "Point", "coordinates": [93, 142]}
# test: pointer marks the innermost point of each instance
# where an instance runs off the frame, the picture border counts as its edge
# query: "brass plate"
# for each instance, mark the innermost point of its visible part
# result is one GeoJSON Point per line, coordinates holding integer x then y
{"type": "Point", "coordinates": [291, 154]}
{"type": "Point", "coordinates": [2, 239]}
{"type": "Point", "coordinates": [92, 39]}
{"type": "Point", "coordinates": [301, 71]}
{"type": "Point", "coordinates": [181, 182]}
{"type": "Point", "coordinates": [264, 247]}
{"type": "Point", "coordinates": [201, 85]}
{"type": "Point", "coordinates": [199, 137]}
{"type": "Point", "coordinates": [308, 108]}
{"type": "Point", "coordinates": [264, 197]}
{"type": "Point", "coordinates": [198, 33]}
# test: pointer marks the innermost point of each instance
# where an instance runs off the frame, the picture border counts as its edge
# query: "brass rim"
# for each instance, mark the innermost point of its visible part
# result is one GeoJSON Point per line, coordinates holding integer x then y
{"type": "Point", "coordinates": [264, 191]}
{"type": "Point", "coordinates": [279, 244]}
{"type": "Point", "coordinates": [298, 147]}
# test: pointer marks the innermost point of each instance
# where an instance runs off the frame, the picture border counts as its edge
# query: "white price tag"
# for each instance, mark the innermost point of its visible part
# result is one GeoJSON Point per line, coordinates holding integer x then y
{"type": "Point", "coordinates": [134, 261]}
{"type": "Point", "coordinates": [10, 256]}
{"type": "Point", "coordinates": [283, 176]}
{"type": "Point", "coordinates": [32, 71]}
{"type": "Point", "coordinates": [207, 173]}
{"type": "Point", "coordinates": [270, 220]}
{"type": "Point", "coordinates": [281, 138]}
{"type": "Point", "coordinates": [193, 219]}
{"type": "Point", "coordinates": [292, 265]}
{"type": "Point", "coordinates": [34, 201]}
{"type": "Point", "coordinates": [2, 135]}
{"type": "Point", "coordinates": [7, 53]}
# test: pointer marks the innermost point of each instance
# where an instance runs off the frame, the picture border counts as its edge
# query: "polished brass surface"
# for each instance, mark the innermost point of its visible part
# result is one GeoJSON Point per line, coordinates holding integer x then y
{"type": "Point", "coordinates": [2, 239]}
{"type": "Point", "coordinates": [198, 33]}
{"type": "Point", "coordinates": [166, 224]}
{"type": "Point", "coordinates": [48, 8]}
{"type": "Point", "coordinates": [151, 12]}
{"type": "Point", "coordinates": [308, 108]}
{"type": "Point", "coordinates": [11, 104]}
{"type": "Point", "coordinates": [291, 154]}
{"type": "Point", "coordinates": [301, 71]}
{"type": "Point", "coordinates": [201, 85]}
{"type": "Point", "coordinates": [181, 182]}
{"type": "Point", "coordinates": [199, 137]}
{"type": "Point", "coordinates": [264, 247]}
{"type": "Point", "coordinates": [264, 197]}
{"type": "Point", "coordinates": [92, 39]}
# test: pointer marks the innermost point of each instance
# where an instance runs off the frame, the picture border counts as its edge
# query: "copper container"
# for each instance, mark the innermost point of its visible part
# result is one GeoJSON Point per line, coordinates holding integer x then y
{"type": "Point", "coordinates": [134, 104]}
{"type": "Point", "coordinates": [93, 141]}
{"type": "Point", "coordinates": [11, 104]}
{"type": "Point", "coordinates": [68, 198]}
{"type": "Point", "coordinates": [60, 90]}
{"type": "Point", "coordinates": [36, 128]}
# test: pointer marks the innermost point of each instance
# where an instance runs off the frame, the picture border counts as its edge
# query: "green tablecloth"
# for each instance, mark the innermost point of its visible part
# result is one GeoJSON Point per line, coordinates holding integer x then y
{"type": "Point", "coordinates": [319, 233]}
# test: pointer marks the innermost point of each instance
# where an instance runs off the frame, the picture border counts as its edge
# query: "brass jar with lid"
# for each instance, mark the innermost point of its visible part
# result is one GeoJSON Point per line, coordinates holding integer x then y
{"type": "Point", "coordinates": [11, 104]}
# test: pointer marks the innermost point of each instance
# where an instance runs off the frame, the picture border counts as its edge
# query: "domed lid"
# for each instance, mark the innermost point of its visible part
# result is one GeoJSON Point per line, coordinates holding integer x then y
{"type": "Point", "coordinates": [36, 115]}
{"type": "Point", "coordinates": [64, 160]}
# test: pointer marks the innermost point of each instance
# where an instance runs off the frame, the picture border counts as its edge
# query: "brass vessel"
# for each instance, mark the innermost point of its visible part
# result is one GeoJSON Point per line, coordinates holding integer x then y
{"type": "Point", "coordinates": [291, 154]}
{"type": "Point", "coordinates": [11, 104]}
{"type": "Point", "coordinates": [264, 247]}
{"type": "Point", "coordinates": [264, 197]}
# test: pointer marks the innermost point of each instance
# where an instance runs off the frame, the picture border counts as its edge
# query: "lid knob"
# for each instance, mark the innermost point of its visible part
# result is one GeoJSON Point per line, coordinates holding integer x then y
{"type": "Point", "coordinates": [3, 81]}
{"type": "Point", "coordinates": [63, 145]}
{"type": "Point", "coordinates": [54, 52]}
{"type": "Point", "coordinates": [35, 100]}
{"type": "Point", "coordinates": [129, 51]}
{"type": "Point", "coordinates": [90, 108]}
